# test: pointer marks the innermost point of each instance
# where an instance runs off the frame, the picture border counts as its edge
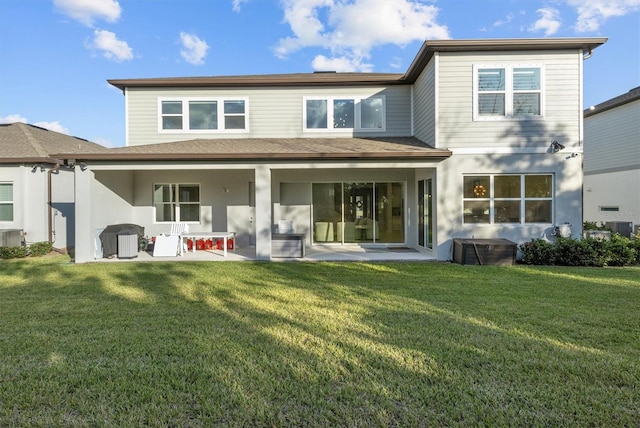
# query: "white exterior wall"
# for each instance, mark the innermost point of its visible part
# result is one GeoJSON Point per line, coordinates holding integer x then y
{"type": "Point", "coordinates": [30, 203]}
{"type": "Point", "coordinates": [562, 102]}
{"type": "Point", "coordinates": [272, 113]}
{"type": "Point", "coordinates": [567, 202]}
{"type": "Point", "coordinates": [612, 164]}
{"type": "Point", "coordinates": [612, 189]}
{"type": "Point", "coordinates": [424, 104]}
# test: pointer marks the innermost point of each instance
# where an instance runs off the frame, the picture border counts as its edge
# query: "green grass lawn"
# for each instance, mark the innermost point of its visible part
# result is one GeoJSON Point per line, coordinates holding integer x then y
{"type": "Point", "coordinates": [317, 344]}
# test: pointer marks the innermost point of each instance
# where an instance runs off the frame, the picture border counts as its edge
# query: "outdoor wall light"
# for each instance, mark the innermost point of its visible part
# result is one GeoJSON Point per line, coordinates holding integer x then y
{"type": "Point", "coordinates": [82, 165]}
{"type": "Point", "coordinates": [555, 147]}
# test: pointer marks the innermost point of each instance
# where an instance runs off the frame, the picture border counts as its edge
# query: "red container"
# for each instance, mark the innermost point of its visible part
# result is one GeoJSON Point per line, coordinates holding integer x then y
{"type": "Point", "coordinates": [230, 244]}
{"type": "Point", "coordinates": [189, 245]}
{"type": "Point", "coordinates": [200, 244]}
{"type": "Point", "coordinates": [208, 244]}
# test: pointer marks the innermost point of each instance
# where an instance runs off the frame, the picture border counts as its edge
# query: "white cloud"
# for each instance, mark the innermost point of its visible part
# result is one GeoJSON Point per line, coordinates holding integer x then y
{"type": "Point", "coordinates": [549, 21]}
{"type": "Point", "coordinates": [194, 49]}
{"type": "Point", "coordinates": [88, 11]}
{"type": "Point", "coordinates": [237, 5]}
{"type": "Point", "coordinates": [111, 47]}
{"type": "Point", "coordinates": [53, 126]}
{"type": "Point", "coordinates": [13, 118]}
{"type": "Point", "coordinates": [593, 13]}
{"type": "Point", "coordinates": [340, 64]}
{"type": "Point", "coordinates": [103, 142]}
{"type": "Point", "coordinates": [350, 29]}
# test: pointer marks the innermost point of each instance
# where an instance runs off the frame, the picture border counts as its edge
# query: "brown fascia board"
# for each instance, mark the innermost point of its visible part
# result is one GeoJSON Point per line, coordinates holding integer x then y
{"type": "Point", "coordinates": [266, 80]}
{"type": "Point", "coordinates": [434, 154]}
{"type": "Point", "coordinates": [632, 95]}
{"type": "Point", "coordinates": [430, 47]}
{"type": "Point", "coordinates": [49, 161]}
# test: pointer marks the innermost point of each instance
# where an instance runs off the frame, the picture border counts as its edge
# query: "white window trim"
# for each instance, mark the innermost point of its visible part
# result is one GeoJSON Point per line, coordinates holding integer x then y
{"type": "Point", "coordinates": [221, 116]}
{"type": "Point", "coordinates": [508, 93]}
{"type": "Point", "coordinates": [176, 202]}
{"type": "Point", "coordinates": [523, 199]}
{"type": "Point", "coordinates": [11, 202]}
{"type": "Point", "coordinates": [358, 111]}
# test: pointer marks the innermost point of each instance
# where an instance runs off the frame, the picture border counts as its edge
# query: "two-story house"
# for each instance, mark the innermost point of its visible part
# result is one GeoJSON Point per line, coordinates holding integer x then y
{"type": "Point", "coordinates": [612, 160]}
{"type": "Point", "coordinates": [479, 138]}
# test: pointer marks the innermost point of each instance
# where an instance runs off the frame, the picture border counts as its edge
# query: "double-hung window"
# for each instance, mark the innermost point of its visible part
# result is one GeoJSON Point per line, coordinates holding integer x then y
{"type": "Point", "coordinates": [344, 113]}
{"type": "Point", "coordinates": [176, 202]}
{"type": "Point", "coordinates": [508, 198]}
{"type": "Point", "coordinates": [508, 92]}
{"type": "Point", "coordinates": [202, 114]}
{"type": "Point", "coordinates": [6, 201]}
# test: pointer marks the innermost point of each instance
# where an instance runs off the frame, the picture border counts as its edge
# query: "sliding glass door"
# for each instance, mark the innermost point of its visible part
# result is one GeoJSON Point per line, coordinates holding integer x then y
{"type": "Point", "coordinates": [425, 214]}
{"type": "Point", "coordinates": [349, 213]}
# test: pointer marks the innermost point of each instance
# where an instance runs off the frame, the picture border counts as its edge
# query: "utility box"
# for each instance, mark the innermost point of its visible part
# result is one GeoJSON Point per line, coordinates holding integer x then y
{"type": "Point", "coordinates": [624, 228]}
{"type": "Point", "coordinates": [287, 245]}
{"type": "Point", "coordinates": [484, 251]}
{"type": "Point", "coordinates": [127, 246]}
{"type": "Point", "coordinates": [10, 237]}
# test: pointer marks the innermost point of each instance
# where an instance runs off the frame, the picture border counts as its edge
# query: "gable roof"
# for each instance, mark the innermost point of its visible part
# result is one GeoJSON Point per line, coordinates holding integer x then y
{"type": "Point", "coordinates": [428, 49]}
{"type": "Point", "coordinates": [20, 142]}
{"type": "Point", "coordinates": [285, 149]}
{"type": "Point", "coordinates": [632, 95]}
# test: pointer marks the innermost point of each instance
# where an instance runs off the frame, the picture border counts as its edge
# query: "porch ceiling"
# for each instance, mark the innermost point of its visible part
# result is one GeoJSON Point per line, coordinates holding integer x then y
{"type": "Point", "coordinates": [394, 148]}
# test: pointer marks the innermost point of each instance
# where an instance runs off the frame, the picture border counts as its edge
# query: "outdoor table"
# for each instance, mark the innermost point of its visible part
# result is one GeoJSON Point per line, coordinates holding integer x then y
{"type": "Point", "coordinates": [195, 235]}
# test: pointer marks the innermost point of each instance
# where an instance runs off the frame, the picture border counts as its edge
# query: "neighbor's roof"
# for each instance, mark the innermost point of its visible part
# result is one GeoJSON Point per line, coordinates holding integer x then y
{"type": "Point", "coordinates": [20, 142]}
{"type": "Point", "coordinates": [272, 149]}
{"type": "Point", "coordinates": [429, 48]}
{"type": "Point", "coordinates": [632, 95]}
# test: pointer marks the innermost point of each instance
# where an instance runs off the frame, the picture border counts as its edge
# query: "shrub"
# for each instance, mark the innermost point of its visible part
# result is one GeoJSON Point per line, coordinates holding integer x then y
{"type": "Point", "coordinates": [13, 252]}
{"type": "Point", "coordinates": [40, 248]}
{"type": "Point", "coordinates": [591, 225]}
{"type": "Point", "coordinates": [618, 251]}
{"type": "Point", "coordinates": [537, 252]}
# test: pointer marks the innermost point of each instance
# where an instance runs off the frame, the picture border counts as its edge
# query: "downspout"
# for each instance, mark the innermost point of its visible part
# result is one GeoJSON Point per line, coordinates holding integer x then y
{"type": "Point", "coordinates": [50, 201]}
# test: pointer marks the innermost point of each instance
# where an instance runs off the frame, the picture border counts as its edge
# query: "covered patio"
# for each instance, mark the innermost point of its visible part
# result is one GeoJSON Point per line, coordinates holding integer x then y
{"type": "Point", "coordinates": [316, 253]}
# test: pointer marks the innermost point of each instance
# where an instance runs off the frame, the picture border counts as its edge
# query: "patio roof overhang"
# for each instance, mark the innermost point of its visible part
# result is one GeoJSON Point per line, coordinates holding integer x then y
{"type": "Point", "coordinates": [273, 149]}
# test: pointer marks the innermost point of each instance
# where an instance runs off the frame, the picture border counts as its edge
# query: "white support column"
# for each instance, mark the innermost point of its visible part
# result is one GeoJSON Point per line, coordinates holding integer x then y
{"type": "Point", "coordinates": [84, 251]}
{"type": "Point", "coordinates": [263, 212]}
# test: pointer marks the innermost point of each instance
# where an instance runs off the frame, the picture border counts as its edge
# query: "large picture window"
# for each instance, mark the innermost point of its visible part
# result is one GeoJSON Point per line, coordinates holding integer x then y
{"type": "Point", "coordinates": [508, 92]}
{"type": "Point", "coordinates": [176, 202]}
{"type": "Point", "coordinates": [340, 113]}
{"type": "Point", "coordinates": [202, 115]}
{"type": "Point", "coordinates": [509, 198]}
{"type": "Point", "coordinates": [6, 201]}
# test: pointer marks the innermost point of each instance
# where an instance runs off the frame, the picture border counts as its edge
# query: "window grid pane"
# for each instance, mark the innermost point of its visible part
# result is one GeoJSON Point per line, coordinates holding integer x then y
{"type": "Point", "coordinates": [343, 114]}
{"type": "Point", "coordinates": [203, 115]}
{"type": "Point", "coordinates": [6, 212]}
{"type": "Point", "coordinates": [491, 79]}
{"type": "Point", "coordinates": [491, 105]}
{"type": "Point", "coordinates": [525, 79]}
{"type": "Point", "coordinates": [6, 192]}
{"type": "Point", "coordinates": [526, 104]}
{"type": "Point", "coordinates": [317, 114]}
{"type": "Point", "coordinates": [372, 113]}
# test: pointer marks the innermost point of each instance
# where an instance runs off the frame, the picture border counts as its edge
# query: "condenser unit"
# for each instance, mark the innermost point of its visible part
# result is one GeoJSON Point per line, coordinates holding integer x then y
{"type": "Point", "coordinates": [10, 237]}
{"type": "Point", "coordinates": [624, 228]}
{"type": "Point", "coordinates": [127, 246]}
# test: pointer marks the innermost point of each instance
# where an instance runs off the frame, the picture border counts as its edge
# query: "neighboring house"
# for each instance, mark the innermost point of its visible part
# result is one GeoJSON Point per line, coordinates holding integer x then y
{"type": "Point", "coordinates": [612, 160]}
{"type": "Point", "coordinates": [36, 189]}
{"type": "Point", "coordinates": [479, 138]}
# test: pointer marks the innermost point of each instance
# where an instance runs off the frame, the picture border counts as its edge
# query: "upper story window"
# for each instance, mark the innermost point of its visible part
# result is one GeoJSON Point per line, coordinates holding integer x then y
{"type": "Point", "coordinates": [508, 92]}
{"type": "Point", "coordinates": [203, 115]}
{"type": "Point", "coordinates": [518, 198]}
{"type": "Point", "coordinates": [6, 201]}
{"type": "Point", "coordinates": [340, 113]}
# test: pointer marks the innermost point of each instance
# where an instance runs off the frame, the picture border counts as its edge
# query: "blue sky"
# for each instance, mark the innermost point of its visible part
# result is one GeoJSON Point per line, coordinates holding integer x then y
{"type": "Point", "coordinates": [58, 54]}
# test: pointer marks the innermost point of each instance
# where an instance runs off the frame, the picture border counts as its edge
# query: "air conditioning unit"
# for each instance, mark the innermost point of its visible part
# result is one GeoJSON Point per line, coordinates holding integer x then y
{"type": "Point", "coordinates": [10, 237]}
{"type": "Point", "coordinates": [624, 228]}
{"type": "Point", "coordinates": [127, 246]}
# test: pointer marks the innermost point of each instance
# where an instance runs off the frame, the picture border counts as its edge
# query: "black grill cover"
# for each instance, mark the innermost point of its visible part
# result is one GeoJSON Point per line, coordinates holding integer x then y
{"type": "Point", "coordinates": [109, 236]}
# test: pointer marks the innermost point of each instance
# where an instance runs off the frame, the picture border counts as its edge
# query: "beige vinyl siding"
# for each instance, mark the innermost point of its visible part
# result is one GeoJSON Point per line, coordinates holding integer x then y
{"type": "Point", "coordinates": [424, 105]}
{"type": "Point", "coordinates": [562, 110]}
{"type": "Point", "coordinates": [612, 139]}
{"type": "Point", "coordinates": [273, 113]}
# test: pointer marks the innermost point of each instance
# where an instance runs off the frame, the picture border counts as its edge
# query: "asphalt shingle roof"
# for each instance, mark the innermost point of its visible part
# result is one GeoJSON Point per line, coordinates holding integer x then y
{"type": "Point", "coordinates": [20, 142]}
